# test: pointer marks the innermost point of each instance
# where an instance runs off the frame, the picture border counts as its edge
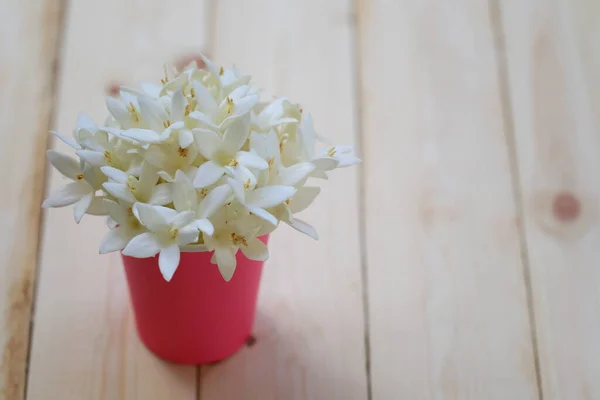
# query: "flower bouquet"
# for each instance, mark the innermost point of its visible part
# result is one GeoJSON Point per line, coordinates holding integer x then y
{"type": "Point", "coordinates": [188, 172]}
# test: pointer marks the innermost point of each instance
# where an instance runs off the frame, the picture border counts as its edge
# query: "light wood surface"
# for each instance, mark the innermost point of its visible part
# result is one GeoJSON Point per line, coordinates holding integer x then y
{"type": "Point", "coordinates": [458, 261]}
{"type": "Point", "coordinates": [445, 279]}
{"type": "Point", "coordinates": [554, 95]}
{"type": "Point", "coordinates": [26, 104]}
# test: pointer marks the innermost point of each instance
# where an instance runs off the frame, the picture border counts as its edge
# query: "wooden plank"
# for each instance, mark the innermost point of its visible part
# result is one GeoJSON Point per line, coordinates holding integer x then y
{"type": "Point", "coordinates": [447, 299]}
{"type": "Point", "coordinates": [29, 36]}
{"type": "Point", "coordinates": [85, 345]}
{"type": "Point", "coordinates": [309, 328]}
{"type": "Point", "coordinates": [553, 59]}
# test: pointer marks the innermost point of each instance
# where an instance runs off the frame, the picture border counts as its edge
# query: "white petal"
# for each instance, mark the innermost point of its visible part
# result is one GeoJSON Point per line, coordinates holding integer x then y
{"type": "Point", "coordinates": [70, 194]}
{"type": "Point", "coordinates": [237, 134]}
{"type": "Point", "coordinates": [325, 163]}
{"type": "Point", "coordinates": [93, 158]}
{"type": "Point", "coordinates": [182, 219]}
{"type": "Point", "coordinates": [152, 217]}
{"type": "Point", "coordinates": [142, 246]}
{"type": "Point", "coordinates": [317, 173]}
{"type": "Point", "coordinates": [66, 165]}
{"type": "Point", "coordinates": [119, 190]}
{"type": "Point", "coordinates": [119, 112]}
{"type": "Point", "coordinates": [348, 160]}
{"type": "Point", "coordinates": [306, 136]}
{"type": "Point", "coordinates": [214, 200]}
{"type": "Point", "coordinates": [97, 207]}
{"type": "Point", "coordinates": [111, 223]}
{"type": "Point", "coordinates": [303, 198]}
{"type": "Point", "coordinates": [161, 194]}
{"type": "Point", "coordinates": [114, 240]}
{"type": "Point", "coordinates": [305, 228]}
{"type": "Point", "coordinates": [292, 175]}
{"type": "Point", "coordinates": [185, 138]}
{"type": "Point", "coordinates": [255, 250]}
{"type": "Point", "coordinates": [168, 261]}
{"type": "Point", "coordinates": [269, 196]}
{"type": "Point", "coordinates": [116, 211]}
{"type": "Point", "coordinates": [251, 160]}
{"type": "Point", "coordinates": [165, 176]}
{"type": "Point", "coordinates": [207, 141]}
{"type": "Point", "coordinates": [67, 140]}
{"type": "Point", "coordinates": [166, 134]}
{"type": "Point", "coordinates": [81, 207]}
{"type": "Point", "coordinates": [226, 261]}
{"type": "Point", "coordinates": [203, 118]}
{"type": "Point", "coordinates": [205, 100]}
{"type": "Point", "coordinates": [184, 194]}
{"type": "Point", "coordinates": [115, 174]}
{"type": "Point", "coordinates": [262, 214]}
{"type": "Point", "coordinates": [178, 104]}
{"type": "Point", "coordinates": [210, 66]}
{"type": "Point", "coordinates": [207, 174]}
{"type": "Point", "coordinates": [238, 190]}
{"type": "Point", "coordinates": [142, 135]}
{"type": "Point", "coordinates": [266, 145]}
{"type": "Point", "coordinates": [188, 234]}
{"type": "Point", "coordinates": [153, 113]}
{"type": "Point", "coordinates": [205, 226]}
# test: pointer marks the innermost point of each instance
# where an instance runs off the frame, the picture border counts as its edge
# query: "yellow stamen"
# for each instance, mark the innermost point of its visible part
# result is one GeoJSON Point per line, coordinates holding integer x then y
{"type": "Point", "coordinates": [233, 162]}
{"type": "Point", "coordinates": [288, 201]}
{"type": "Point", "coordinates": [236, 239]}
{"type": "Point", "coordinates": [192, 93]}
{"type": "Point", "coordinates": [131, 183]}
{"type": "Point", "coordinates": [173, 232]}
{"type": "Point", "coordinates": [271, 162]}
{"type": "Point", "coordinates": [131, 108]}
{"type": "Point", "coordinates": [108, 157]}
{"type": "Point", "coordinates": [203, 192]}
{"type": "Point", "coordinates": [166, 78]}
{"type": "Point", "coordinates": [247, 184]}
{"type": "Point", "coordinates": [282, 141]}
{"type": "Point", "coordinates": [130, 212]}
{"type": "Point", "coordinates": [221, 71]}
{"type": "Point", "coordinates": [182, 152]}
{"type": "Point", "coordinates": [166, 124]}
{"type": "Point", "coordinates": [189, 108]}
{"type": "Point", "coordinates": [331, 152]}
{"type": "Point", "coordinates": [79, 177]}
{"type": "Point", "coordinates": [229, 105]}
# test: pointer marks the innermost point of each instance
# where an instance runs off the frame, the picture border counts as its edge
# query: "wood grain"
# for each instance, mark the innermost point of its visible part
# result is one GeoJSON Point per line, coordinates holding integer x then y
{"type": "Point", "coordinates": [552, 63]}
{"type": "Point", "coordinates": [447, 299]}
{"type": "Point", "coordinates": [85, 345]}
{"type": "Point", "coordinates": [309, 329]}
{"type": "Point", "coordinates": [26, 93]}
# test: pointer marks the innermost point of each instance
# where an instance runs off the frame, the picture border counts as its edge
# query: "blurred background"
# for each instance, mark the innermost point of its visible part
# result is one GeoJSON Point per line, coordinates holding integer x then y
{"type": "Point", "coordinates": [458, 261]}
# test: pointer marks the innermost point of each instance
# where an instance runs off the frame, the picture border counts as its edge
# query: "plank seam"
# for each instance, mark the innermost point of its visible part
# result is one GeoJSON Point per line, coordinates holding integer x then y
{"type": "Point", "coordinates": [356, 56]}
{"type": "Point", "coordinates": [496, 23]}
{"type": "Point", "coordinates": [53, 95]}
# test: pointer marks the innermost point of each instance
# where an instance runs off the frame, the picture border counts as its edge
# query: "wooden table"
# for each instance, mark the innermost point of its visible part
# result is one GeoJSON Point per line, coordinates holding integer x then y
{"type": "Point", "coordinates": [459, 261]}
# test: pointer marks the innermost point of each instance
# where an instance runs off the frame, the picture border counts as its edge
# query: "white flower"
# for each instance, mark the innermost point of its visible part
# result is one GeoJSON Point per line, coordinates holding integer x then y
{"type": "Point", "coordinates": [256, 201]}
{"type": "Point", "coordinates": [227, 240]}
{"type": "Point", "coordinates": [224, 153]}
{"type": "Point", "coordinates": [130, 189]}
{"type": "Point", "coordinates": [81, 192]}
{"type": "Point", "coordinates": [126, 228]}
{"type": "Point", "coordinates": [195, 163]}
{"type": "Point", "coordinates": [168, 230]}
{"type": "Point", "coordinates": [185, 198]}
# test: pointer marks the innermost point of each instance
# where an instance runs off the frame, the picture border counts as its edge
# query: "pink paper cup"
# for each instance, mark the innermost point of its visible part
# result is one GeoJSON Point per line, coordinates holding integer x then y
{"type": "Point", "coordinates": [197, 317]}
